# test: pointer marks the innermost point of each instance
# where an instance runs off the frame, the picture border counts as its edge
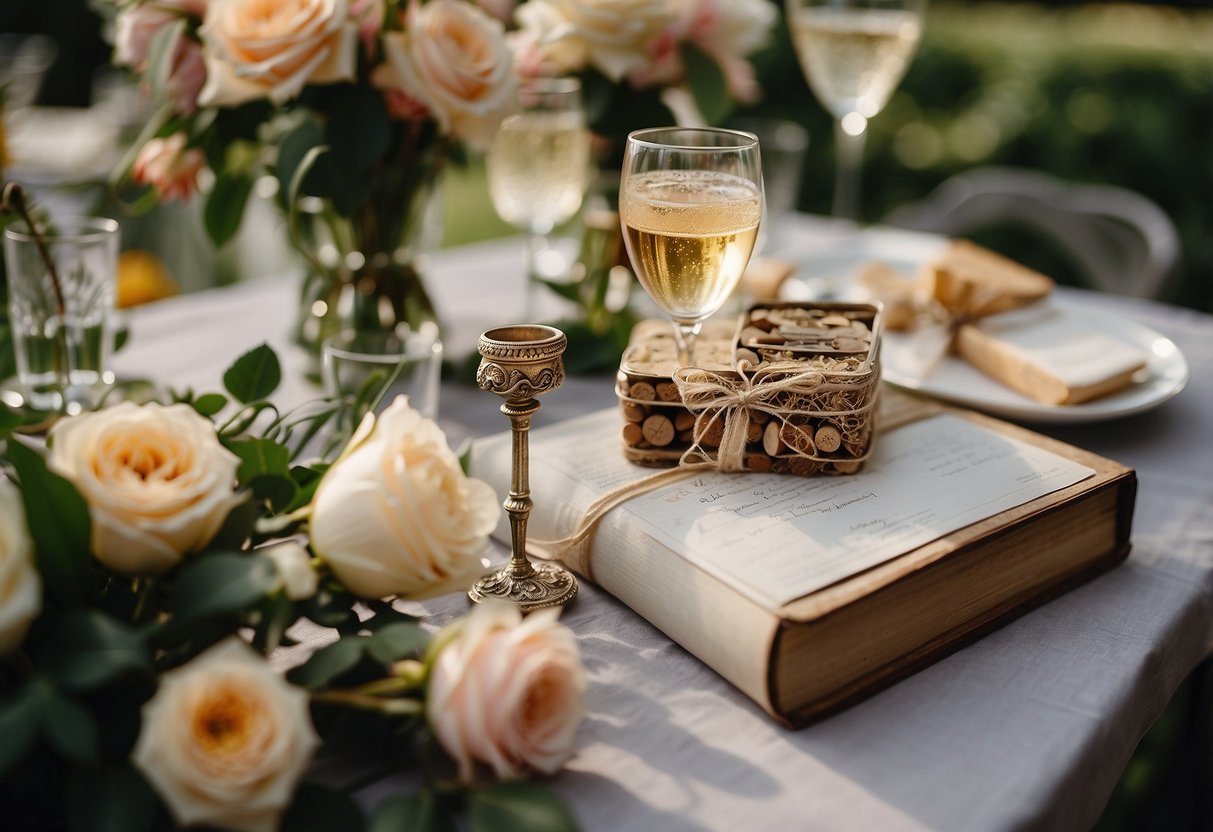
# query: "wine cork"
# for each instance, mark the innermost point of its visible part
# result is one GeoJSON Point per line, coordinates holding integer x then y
{"type": "Point", "coordinates": [798, 437]}
{"type": "Point", "coordinates": [742, 354]}
{"type": "Point", "coordinates": [760, 416]}
{"type": "Point", "coordinates": [771, 443]}
{"type": "Point", "coordinates": [684, 420]}
{"type": "Point", "coordinates": [753, 431]}
{"type": "Point", "coordinates": [802, 467]}
{"type": "Point", "coordinates": [759, 463]}
{"type": "Point", "coordinates": [712, 433]}
{"type": "Point", "coordinates": [846, 466]}
{"type": "Point", "coordinates": [643, 391]}
{"type": "Point", "coordinates": [634, 412]}
{"type": "Point", "coordinates": [658, 430]}
{"type": "Point", "coordinates": [667, 391]}
{"type": "Point", "coordinates": [632, 434]}
{"type": "Point", "coordinates": [828, 438]}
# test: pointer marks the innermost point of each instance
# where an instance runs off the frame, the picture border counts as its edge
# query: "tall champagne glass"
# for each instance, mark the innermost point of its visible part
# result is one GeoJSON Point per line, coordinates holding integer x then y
{"type": "Point", "coordinates": [854, 54]}
{"type": "Point", "coordinates": [539, 162]}
{"type": "Point", "coordinates": [690, 201]}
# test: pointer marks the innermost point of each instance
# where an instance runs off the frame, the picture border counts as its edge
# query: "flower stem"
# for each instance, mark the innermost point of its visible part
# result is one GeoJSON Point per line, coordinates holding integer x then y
{"type": "Point", "coordinates": [13, 199]}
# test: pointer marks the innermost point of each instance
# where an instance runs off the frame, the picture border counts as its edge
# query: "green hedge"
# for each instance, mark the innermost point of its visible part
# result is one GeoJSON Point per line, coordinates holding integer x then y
{"type": "Point", "coordinates": [1098, 93]}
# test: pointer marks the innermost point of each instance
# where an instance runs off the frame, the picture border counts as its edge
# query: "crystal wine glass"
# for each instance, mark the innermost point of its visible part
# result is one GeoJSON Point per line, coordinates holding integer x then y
{"type": "Point", "coordinates": [690, 201]}
{"type": "Point", "coordinates": [539, 163]}
{"type": "Point", "coordinates": [854, 54]}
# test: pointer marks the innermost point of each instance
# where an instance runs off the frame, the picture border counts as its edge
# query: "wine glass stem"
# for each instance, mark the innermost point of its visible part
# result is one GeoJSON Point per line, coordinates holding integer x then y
{"type": "Point", "coordinates": [848, 153]}
{"type": "Point", "coordinates": [535, 244]}
{"type": "Point", "coordinates": [684, 338]}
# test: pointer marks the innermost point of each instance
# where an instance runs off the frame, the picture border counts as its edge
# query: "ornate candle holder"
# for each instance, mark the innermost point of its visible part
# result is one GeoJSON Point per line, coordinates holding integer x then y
{"type": "Point", "coordinates": [518, 363]}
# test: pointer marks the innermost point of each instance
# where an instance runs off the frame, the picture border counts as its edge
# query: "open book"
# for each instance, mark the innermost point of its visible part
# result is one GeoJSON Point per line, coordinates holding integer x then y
{"type": "Point", "coordinates": [806, 593]}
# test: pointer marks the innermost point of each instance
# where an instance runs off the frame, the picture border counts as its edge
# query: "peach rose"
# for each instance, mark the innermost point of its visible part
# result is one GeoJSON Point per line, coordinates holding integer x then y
{"type": "Point", "coordinates": [507, 692]}
{"type": "Point", "coordinates": [271, 48]}
{"type": "Point", "coordinates": [225, 740]}
{"type": "Point", "coordinates": [20, 584]}
{"type": "Point", "coordinates": [454, 59]}
{"type": "Point", "coordinates": [611, 35]}
{"type": "Point", "coordinates": [395, 515]}
{"type": "Point", "coordinates": [156, 480]}
{"type": "Point", "coordinates": [169, 167]}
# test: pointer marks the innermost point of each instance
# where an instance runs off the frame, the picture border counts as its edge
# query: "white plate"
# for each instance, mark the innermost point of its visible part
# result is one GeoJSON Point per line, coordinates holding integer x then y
{"type": "Point", "coordinates": [958, 381]}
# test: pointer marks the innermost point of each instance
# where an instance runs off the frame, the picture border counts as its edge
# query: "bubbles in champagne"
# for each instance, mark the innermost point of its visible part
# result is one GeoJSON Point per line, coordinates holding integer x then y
{"type": "Point", "coordinates": [538, 168]}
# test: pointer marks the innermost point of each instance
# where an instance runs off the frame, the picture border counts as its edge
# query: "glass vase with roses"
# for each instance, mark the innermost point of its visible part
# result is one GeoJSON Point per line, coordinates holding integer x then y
{"type": "Point", "coordinates": [351, 106]}
{"type": "Point", "coordinates": [152, 559]}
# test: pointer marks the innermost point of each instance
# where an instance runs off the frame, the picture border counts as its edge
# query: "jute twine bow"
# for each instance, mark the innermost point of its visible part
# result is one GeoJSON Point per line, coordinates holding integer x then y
{"type": "Point", "coordinates": [933, 330]}
{"type": "Point", "coordinates": [779, 393]}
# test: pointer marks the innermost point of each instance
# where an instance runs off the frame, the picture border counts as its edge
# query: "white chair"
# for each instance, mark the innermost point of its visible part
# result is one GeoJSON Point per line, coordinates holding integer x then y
{"type": "Point", "coordinates": [1121, 241]}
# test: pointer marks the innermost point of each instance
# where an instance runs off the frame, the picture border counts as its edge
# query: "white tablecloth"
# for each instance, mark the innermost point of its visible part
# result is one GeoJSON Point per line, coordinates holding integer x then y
{"type": "Point", "coordinates": [1029, 727]}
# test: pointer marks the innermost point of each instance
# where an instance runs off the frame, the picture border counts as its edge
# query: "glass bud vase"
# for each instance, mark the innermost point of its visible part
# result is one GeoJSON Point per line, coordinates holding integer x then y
{"type": "Point", "coordinates": [366, 270]}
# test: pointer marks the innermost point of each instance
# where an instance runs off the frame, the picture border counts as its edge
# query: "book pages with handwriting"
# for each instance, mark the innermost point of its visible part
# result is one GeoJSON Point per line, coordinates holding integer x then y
{"type": "Point", "coordinates": [778, 538]}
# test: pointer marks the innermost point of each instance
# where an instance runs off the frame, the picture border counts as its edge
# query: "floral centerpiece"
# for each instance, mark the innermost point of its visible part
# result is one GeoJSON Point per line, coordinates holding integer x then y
{"type": "Point", "coordinates": [152, 558]}
{"type": "Point", "coordinates": [354, 106]}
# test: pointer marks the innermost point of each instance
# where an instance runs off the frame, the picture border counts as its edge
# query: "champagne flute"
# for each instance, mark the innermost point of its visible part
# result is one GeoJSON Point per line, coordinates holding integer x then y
{"type": "Point", "coordinates": [690, 201]}
{"type": "Point", "coordinates": [539, 164]}
{"type": "Point", "coordinates": [854, 54]}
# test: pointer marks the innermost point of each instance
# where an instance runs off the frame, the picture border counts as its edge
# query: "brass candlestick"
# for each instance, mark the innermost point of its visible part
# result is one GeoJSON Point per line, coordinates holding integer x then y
{"type": "Point", "coordinates": [518, 363]}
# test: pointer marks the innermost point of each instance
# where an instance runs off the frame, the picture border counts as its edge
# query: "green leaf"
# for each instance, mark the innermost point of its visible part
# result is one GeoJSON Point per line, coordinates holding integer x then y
{"type": "Point", "coordinates": [160, 55]}
{"type": "Point", "coordinates": [265, 466]}
{"type": "Point", "coordinates": [708, 84]}
{"type": "Point", "coordinates": [277, 614]}
{"type": "Point", "coordinates": [255, 374]}
{"type": "Point", "coordinates": [329, 662]}
{"type": "Point", "coordinates": [110, 799]}
{"type": "Point", "coordinates": [59, 522]}
{"type": "Point", "coordinates": [518, 806]}
{"type": "Point", "coordinates": [225, 206]}
{"type": "Point", "coordinates": [237, 528]}
{"type": "Point", "coordinates": [359, 129]}
{"type": "Point", "coordinates": [10, 420]}
{"type": "Point", "coordinates": [70, 729]}
{"type": "Point", "coordinates": [84, 649]}
{"type": "Point", "coordinates": [319, 808]}
{"type": "Point", "coordinates": [222, 584]}
{"type": "Point", "coordinates": [19, 717]}
{"type": "Point", "coordinates": [210, 404]}
{"type": "Point", "coordinates": [396, 641]}
{"type": "Point", "coordinates": [418, 812]}
{"type": "Point", "coordinates": [320, 177]}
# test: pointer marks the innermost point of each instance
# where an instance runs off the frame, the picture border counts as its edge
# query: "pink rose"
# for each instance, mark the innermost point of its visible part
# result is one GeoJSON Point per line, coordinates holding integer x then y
{"type": "Point", "coordinates": [138, 25]}
{"type": "Point", "coordinates": [169, 167]}
{"type": "Point", "coordinates": [729, 31]}
{"type": "Point", "coordinates": [507, 692]}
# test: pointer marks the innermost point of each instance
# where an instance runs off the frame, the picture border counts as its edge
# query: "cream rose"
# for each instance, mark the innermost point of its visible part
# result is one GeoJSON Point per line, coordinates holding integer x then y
{"type": "Point", "coordinates": [507, 692]}
{"type": "Point", "coordinates": [157, 482]}
{"type": "Point", "coordinates": [454, 59]}
{"type": "Point", "coordinates": [611, 35]}
{"type": "Point", "coordinates": [225, 739]}
{"type": "Point", "coordinates": [396, 515]}
{"type": "Point", "coordinates": [294, 565]}
{"type": "Point", "coordinates": [20, 584]}
{"type": "Point", "coordinates": [271, 48]}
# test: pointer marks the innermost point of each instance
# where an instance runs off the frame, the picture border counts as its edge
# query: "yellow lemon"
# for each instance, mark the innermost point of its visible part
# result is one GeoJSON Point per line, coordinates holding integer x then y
{"type": "Point", "coordinates": [142, 278]}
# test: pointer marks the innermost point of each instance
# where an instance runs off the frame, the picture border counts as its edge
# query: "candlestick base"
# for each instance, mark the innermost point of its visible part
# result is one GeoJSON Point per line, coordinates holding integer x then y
{"type": "Point", "coordinates": [543, 585]}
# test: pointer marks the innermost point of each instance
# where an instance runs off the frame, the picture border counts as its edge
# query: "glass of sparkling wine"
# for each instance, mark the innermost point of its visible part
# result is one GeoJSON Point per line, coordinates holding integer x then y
{"type": "Point", "coordinates": [854, 54]}
{"type": "Point", "coordinates": [539, 163]}
{"type": "Point", "coordinates": [690, 201]}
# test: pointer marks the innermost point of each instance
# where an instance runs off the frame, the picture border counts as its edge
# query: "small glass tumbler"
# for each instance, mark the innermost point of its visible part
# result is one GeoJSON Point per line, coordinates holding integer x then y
{"type": "Point", "coordinates": [376, 367]}
{"type": "Point", "coordinates": [60, 303]}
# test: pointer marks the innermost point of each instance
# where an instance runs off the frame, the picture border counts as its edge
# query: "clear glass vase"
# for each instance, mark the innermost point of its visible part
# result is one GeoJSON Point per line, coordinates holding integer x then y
{"type": "Point", "coordinates": [366, 271]}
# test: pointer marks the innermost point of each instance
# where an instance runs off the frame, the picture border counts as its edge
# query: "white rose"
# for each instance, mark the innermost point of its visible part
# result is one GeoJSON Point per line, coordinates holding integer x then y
{"type": "Point", "coordinates": [396, 515]}
{"type": "Point", "coordinates": [294, 566]}
{"type": "Point", "coordinates": [225, 739]}
{"type": "Point", "coordinates": [453, 58]}
{"type": "Point", "coordinates": [611, 35]}
{"type": "Point", "coordinates": [271, 48]}
{"type": "Point", "coordinates": [20, 584]}
{"type": "Point", "coordinates": [156, 480]}
{"type": "Point", "coordinates": [508, 692]}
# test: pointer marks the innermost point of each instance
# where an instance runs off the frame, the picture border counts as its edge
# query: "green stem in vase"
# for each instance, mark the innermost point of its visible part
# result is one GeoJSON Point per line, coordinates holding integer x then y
{"type": "Point", "coordinates": [13, 199]}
